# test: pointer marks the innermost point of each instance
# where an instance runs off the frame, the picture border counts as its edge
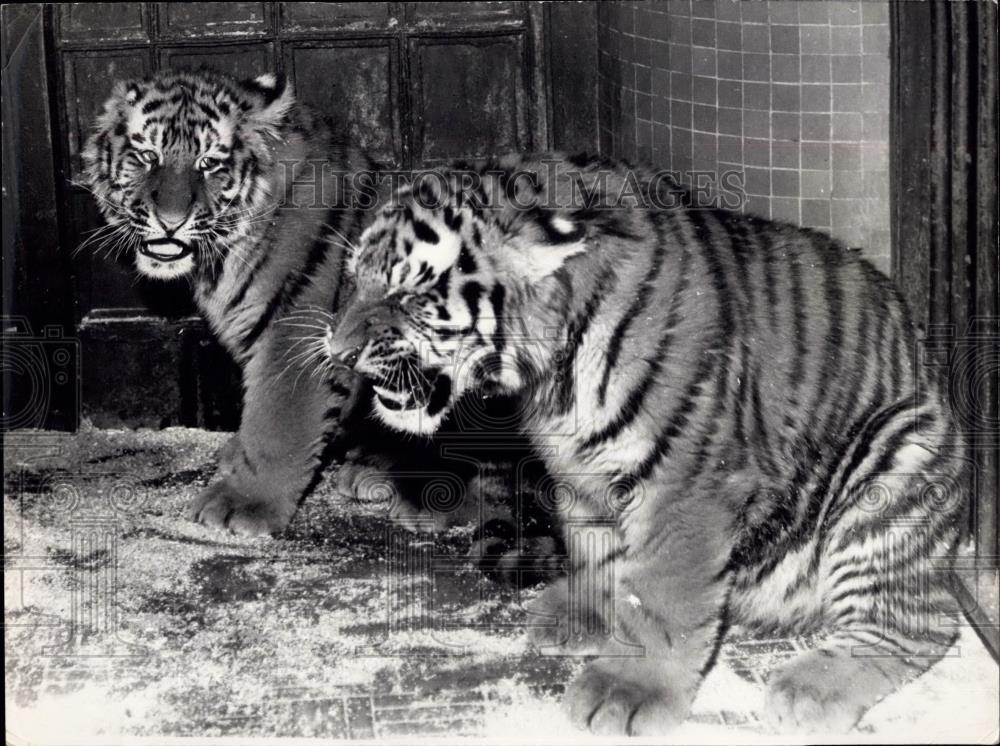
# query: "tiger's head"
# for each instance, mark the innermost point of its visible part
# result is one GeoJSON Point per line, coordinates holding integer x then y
{"type": "Point", "coordinates": [180, 162]}
{"type": "Point", "coordinates": [438, 293]}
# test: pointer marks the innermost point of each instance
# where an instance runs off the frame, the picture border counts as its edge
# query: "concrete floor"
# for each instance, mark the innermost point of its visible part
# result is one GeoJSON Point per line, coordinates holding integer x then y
{"type": "Point", "coordinates": [125, 620]}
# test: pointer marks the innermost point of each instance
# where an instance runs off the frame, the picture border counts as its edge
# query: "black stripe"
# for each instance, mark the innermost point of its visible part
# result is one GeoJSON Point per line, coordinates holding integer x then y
{"type": "Point", "coordinates": [728, 335]}
{"type": "Point", "coordinates": [424, 232]}
{"type": "Point", "coordinates": [637, 306]}
{"type": "Point", "coordinates": [466, 261]}
{"type": "Point", "coordinates": [851, 382]}
{"type": "Point", "coordinates": [739, 407]}
{"type": "Point", "coordinates": [797, 372]}
{"type": "Point", "coordinates": [740, 248]}
{"type": "Point", "coordinates": [763, 234]}
{"type": "Point", "coordinates": [860, 436]}
{"type": "Point", "coordinates": [884, 461]}
{"type": "Point", "coordinates": [150, 106]}
{"type": "Point", "coordinates": [497, 297]}
{"type": "Point", "coordinates": [634, 400]}
{"type": "Point", "coordinates": [575, 332]}
{"type": "Point", "coordinates": [258, 264]}
{"type": "Point", "coordinates": [883, 322]}
{"type": "Point", "coordinates": [874, 588]}
{"type": "Point", "coordinates": [471, 293]}
{"type": "Point", "coordinates": [761, 439]}
{"type": "Point", "coordinates": [675, 423]}
{"type": "Point", "coordinates": [870, 431]}
{"type": "Point", "coordinates": [834, 306]}
{"type": "Point", "coordinates": [292, 286]}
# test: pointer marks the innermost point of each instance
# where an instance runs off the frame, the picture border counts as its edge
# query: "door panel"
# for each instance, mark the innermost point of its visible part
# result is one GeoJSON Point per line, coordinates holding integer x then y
{"type": "Point", "coordinates": [198, 20]}
{"type": "Point", "coordinates": [354, 83]}
{"type": "Point", "coordinates": [305, 17]}
{"type": "Point", "coordinates": [111, 22]}
{"type": "Point", "coordinates": [468, 99]}
{"type": "Point", "coordinates": [466, 13]}
{"type": "Point", "coordinates": [243, 60]}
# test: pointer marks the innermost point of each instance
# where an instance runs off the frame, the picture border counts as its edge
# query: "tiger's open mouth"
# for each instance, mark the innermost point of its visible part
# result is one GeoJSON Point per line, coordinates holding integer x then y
{"type": "Point", "coordinates": [165, 249]}
{"type": "Point", "coordinates": [428, 392]}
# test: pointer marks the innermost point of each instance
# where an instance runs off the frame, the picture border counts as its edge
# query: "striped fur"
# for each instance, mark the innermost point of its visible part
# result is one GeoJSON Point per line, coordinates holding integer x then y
{"type": "Point", "coordinates": [736, 399]}
{"type": "Point", "coordinates": [187, 168]}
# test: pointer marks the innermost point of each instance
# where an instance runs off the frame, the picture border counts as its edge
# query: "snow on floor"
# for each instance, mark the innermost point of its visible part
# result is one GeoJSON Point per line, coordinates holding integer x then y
{"type": "Point", "coordinates": [124, 621]}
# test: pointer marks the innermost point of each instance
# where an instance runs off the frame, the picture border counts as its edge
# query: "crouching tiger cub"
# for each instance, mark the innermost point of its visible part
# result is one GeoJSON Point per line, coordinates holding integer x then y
{"type": "Point", "coordinates": [735, 398]}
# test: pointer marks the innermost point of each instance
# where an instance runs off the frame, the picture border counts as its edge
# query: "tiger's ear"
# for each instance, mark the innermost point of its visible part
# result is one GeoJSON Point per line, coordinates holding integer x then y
{"type": "Point", "coordinates": [124, 96]}
{"type": "Point", "coordinates": [275, 99]}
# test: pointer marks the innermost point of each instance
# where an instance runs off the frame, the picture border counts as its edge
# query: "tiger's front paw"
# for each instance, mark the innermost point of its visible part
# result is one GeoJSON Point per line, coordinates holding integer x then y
{"type": "Point", "coordinates": [222, 506]}
{"type": "Point", "coordinates": [624, 698]}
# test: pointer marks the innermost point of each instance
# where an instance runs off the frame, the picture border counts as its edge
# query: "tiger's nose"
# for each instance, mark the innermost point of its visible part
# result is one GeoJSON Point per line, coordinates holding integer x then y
{"type": "Point", "coordinates": [172, 220]}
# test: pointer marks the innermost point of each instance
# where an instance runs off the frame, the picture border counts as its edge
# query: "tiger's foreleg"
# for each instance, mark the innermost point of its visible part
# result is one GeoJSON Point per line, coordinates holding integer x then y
{"type": "Point", "coordinates": [669, 590]}
{"type": "Point", "coordinates": [289, 418]}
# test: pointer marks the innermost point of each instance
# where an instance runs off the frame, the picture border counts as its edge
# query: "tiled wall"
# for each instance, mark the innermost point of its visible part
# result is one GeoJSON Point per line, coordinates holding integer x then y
{"type": "Point", "coordinates": [795, 95]}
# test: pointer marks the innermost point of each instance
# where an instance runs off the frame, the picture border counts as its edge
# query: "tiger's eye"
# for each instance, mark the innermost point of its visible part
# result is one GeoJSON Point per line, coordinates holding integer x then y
{"type": "Point", "coordinates": [209, 164]}
{"type": "Point", "coordinates": [149, 157]}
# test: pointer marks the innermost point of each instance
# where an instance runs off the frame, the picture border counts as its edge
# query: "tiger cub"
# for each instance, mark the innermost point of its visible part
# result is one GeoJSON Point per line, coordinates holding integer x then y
{"type": "Point", "coordinates": [192, 172]}
{"type": "Point", "coordinates": [734, 398]}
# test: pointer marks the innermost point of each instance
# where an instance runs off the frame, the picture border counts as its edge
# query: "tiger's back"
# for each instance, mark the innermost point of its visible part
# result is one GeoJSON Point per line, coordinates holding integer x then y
{"type": "Point", "coordinates": [736, 399]}
{"type": "Point", "coordinates": [726, 351]}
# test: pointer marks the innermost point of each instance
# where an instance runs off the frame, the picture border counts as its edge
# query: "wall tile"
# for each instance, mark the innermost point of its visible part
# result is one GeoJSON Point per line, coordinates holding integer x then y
{"type": "Point", "coordinates": [793, 94]}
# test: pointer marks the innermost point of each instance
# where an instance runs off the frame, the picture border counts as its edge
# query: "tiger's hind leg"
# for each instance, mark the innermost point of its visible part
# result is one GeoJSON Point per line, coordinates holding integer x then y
{"type": "Point", "coordinates": [829, 689]}
{"type": "Point", "coordinates": [884, 591]}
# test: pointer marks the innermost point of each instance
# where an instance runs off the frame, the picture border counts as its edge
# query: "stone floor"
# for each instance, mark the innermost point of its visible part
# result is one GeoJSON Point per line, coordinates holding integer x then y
{"type": "Point", "coordinates": [124, 620]}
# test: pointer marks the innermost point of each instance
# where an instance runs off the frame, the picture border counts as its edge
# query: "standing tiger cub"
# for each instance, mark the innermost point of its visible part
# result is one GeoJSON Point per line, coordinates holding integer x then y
{"type": "Point", "coordinates": [193, 171]}
{"type": "Point", "coordinates": [736, 398]}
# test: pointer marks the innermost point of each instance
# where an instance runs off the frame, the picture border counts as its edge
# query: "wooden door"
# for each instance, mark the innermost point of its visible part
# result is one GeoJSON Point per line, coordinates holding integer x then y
{"type": "Point", "coordinates": [413, 83]}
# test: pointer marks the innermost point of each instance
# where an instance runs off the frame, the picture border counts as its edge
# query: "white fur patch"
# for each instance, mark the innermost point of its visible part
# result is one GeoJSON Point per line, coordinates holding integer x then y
{"type": "Point", "coordinates": [408, 420]}
{"type": "Point", "coordinates": [439, 256]}
{"type": "Point", "coordinates": [163, 270]}
{"type": "Point", "coordinates": [563, 225]}
{"type": "Point", "coordinates": [267, 80]}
